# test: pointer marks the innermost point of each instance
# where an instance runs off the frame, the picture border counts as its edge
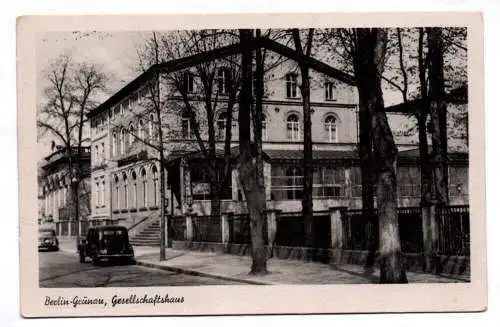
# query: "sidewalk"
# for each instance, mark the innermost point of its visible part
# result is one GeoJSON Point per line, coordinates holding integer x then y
{"type": "Point", "coordinates": [236, 268]}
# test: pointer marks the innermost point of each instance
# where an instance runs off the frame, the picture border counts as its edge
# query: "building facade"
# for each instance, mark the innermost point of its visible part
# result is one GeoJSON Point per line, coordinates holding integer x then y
{"type": "Point", "coordinates": [125, 172]}
{"type": "Point", "coordinates": [55, 200]}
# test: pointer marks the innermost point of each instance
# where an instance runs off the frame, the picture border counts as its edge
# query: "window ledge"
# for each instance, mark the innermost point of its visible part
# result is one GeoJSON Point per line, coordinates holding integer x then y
{"type": "Point", "coordinates": [143, 209]}
{"type": "Point", "coordinates": [133, 210]}
{"type": "Point", "coordinates": [124, 210]}
{"type": "Point", "coordinates": [153, 208]}
{"type": "Point", "coordinates": [116, 211]}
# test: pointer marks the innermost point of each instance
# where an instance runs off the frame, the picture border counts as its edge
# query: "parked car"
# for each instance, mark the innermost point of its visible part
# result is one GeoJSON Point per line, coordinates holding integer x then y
{"type": "Point", "coordinates": [106, 243]}
{"type": "Point", "coordinates": [47, 239]}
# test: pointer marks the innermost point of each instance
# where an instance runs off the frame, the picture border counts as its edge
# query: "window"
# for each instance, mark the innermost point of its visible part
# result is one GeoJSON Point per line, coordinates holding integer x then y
{"type": "Point", "coordinates": [125, 191]}
{"type": "Point", "coordinates": [329, 182]}
{"type": "Point", "coordinates": [291, 86]}
{"type": "Point", "coordinates": [103, 193]}
{"type": "Point", "coordinates": [286, 182]}
{"type": "Point", "coordinates": [150, 127]}
{"type": "Point", "coordinates": [155, 185]}
{"type": "Point", "coordinates": [458, 181]}
{"type": "Point", "coordinates": [144, 187]}
{"type": "Point", "coordinates": [356, 184]}
{"type": "Point", "coordinates": [103, 153]}
{"type": "Point", "coordinates": [122, 108]}
{"type": "Point", "coordinates": [122, 141]}
{"type": "Point", "coordinates": [331, 128]}
{"type": "Point", "coordinates": [114, 145]}
{"type": "Point", "coordinates": [200, 182]}
{"type": "Point", "coordinates": [189, 82]}
{"type": "Point", "coordinates": [134, 190]}
{"type": "Point", "coordinates": [329, 91]}
{"type": "Point", "coordinates": [186, 126]}
{"type": "Point", "coordinates": [221, 126]}
{"type": "Point", "coordinates": [98, 195]}
{"type": "Point", "coordinates": [131, 134]}
{"type": "Point", "coordinates": [408, 181]}
{"type": "Point", "coordinates": [293, 127]}
{"type": "Point", "coordinates": [223, 81]}
{"type": "Point", "coordinates": [96, 154]}
{"type": "Point", "coordinates": [117, 193]}
{"type": "Point", "coordinates": [140, 129]}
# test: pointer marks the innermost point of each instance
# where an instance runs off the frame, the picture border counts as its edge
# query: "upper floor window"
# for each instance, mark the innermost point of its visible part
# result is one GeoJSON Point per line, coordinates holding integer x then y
{"type": "Point", "coordinates": [140, 129]}
{"type": "Point", "coordinates": [186, 126]}
{"type": "Point", "coordinates": [131, 134]}
{"type": "Point", "coordinates": [221, 125]}
{"type": "Point", "coordinates": [150, 126]}
{"type": "Point", "coordinates": [223, 80]}
{"type": "Point", "coordinates": [331, 128]}
{"type": "Point", "coordinates": [189, 82]}
{"type": "Point", "coordinates": [293, 127]}
{"type": "Point", "coordinates": [122, 141]}
{"type": "Point", "coordinates": [329, 91]}
{"type": "Point", "coordinates": [103, 152]}
{"type": "Point", "coordinates": [291, 86]}
{"type": "Point", "coordinates": [114, 144]}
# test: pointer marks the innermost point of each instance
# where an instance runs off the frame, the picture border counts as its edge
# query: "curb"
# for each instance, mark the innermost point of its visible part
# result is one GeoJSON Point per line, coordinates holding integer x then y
{"type": "Point", "coordinates": [199, 273]}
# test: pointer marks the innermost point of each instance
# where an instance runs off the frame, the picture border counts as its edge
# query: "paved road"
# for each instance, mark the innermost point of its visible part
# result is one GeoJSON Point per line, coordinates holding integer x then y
{"type": "Point", "coordinates": [62, 269]}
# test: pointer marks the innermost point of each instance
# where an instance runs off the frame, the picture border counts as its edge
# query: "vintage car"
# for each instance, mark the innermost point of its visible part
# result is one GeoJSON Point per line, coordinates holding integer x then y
{"type": "Point", "coordinates": [47, 239]}
{"type": "Point", "coordinates": [106, 243]}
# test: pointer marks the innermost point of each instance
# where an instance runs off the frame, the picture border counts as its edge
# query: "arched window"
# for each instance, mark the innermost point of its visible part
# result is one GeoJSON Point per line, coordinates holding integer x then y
{"type": "Point", "coordinates": [140, 129]}
{"type": "Point", "coordinates": [221, 125]}
{"type": "Point", "coordinates": [150, 127]}
{"type": "Point", "coordinates": [125, 191]}
{"type": "Point", "coordinates": [154, 171]}
{"type": "Point", "coordinates": [103, 193]}
{"type": "Point", "coordinates": [186, 126]}
{"type": "Point", "coordinates": [131, 134]}
{"type": "Point", "coordinates": [117, 192]}
{"type": "Point", "coordinates": [122, 141]}
{"type": "Point", "coordinates": [331, 128]}
{"type": "Point", "coordinates": [114, 144]}
{"type": "Point", "coordinates": [134, 189]}
{"type": "Point", "coordinates": [144, 186]}
{"type": "Point", "coordinates": [293, 127]}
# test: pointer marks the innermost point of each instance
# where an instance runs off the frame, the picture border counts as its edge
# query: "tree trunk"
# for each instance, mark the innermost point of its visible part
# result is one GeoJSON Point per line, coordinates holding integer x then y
{"type": "Point", "coordinates": [437, 107]}
{"type": "Point", "coordinates": [368, 66]}
{"type": "Point", "coordinates": [247, 171]}
{"type": "Point", "coordinates": [307, 201]}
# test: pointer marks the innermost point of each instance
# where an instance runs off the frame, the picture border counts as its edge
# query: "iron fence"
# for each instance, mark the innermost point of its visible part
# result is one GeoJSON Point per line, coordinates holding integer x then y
{"type": "Point", "coordinates": [178, 228]}
{"type": "Point", "coordinates": [454, 230]}
{"type": "Point", "coordinates": [239, 229]}
{"type": "Point", "coordinates": [207, 229]}
{"type": "Point", "coordinates": [290, 230]}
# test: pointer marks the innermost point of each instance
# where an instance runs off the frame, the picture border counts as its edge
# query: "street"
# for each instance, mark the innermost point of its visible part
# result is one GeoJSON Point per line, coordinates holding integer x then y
{"type": "Point", "coordinates": [62, 269]}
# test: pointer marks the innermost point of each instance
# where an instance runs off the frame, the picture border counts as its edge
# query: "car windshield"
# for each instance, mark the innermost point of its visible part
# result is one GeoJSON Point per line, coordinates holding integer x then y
{"type": "Point", "coordinates": [114, 234]}
{"type": "Point", "coordinates": [46, 232]}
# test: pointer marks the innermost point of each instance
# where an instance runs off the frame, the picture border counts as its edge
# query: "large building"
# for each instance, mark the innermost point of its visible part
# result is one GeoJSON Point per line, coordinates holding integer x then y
{"type": "Point", "coordinates": [55, 201]}
{"type": "Point", "coordinates": [125, 174]}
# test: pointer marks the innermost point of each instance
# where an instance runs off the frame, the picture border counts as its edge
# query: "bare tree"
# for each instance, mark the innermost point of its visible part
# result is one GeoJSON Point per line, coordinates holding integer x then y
{"type": "Point", "coordinates": [69, 95]}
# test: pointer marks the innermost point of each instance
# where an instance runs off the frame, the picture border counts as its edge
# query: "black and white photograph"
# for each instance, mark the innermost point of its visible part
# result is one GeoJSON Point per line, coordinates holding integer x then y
{"type": "Point", "coordinates": [292, 156]}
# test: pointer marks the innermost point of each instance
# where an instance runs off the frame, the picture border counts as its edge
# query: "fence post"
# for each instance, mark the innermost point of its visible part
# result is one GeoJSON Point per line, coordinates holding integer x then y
{"type": "Point", "coordinates": [189, 228]}
{"type": "Point", "coordinates": [225, 217]}
{"type": "Point", "coordinates": [336, 232]}
{"type": "Point", "coordinates": [272, 228]}
{"type": "Point", "coordinates": [430, 236]}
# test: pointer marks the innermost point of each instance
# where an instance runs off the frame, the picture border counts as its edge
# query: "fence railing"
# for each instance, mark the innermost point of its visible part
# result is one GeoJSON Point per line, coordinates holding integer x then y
{"type": "Point", "coordinates": [239, 229]}
{"type": "Point", "coordinates": [290, 230]}
{"type": "Point", "coordinates": [178, 228]}
{"type": "Point", "coordinates": [207, 229]}
{"type": "Point", "coordinates": [454, 230]}
{"type": "Point", "coordinates": [359, 227]}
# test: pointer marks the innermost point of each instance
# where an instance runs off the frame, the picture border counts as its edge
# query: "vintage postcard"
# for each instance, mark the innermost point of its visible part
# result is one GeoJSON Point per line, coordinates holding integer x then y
{"type": "Point", "coordinates": [251, 164]}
